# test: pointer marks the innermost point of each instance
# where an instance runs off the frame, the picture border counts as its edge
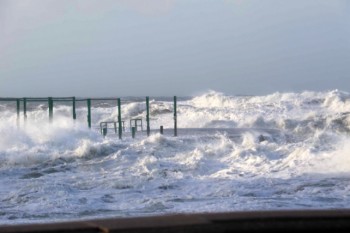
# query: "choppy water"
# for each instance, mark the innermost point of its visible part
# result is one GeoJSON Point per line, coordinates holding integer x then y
{"type": "Point", "coordinates": [279, 151]}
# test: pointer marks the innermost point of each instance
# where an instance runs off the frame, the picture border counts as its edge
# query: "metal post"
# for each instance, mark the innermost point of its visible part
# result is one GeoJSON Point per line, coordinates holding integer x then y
{"type": "Point", "coordinates": [115, 128]}
{"type": "Point", "coordinates": [147, 116]}
{"type": "Point", "coordinates": [175, 118]}
{"type": "Point", "coordinates": [104, 130]}
{"type": "Point", "coordinates": [89, 112]}
{"type": "Point", "coordinates": [119, 119]}
{"type": "Point", "coordinates": [25, 109]}
{"type": "Point", "coordinates": [74, 113]}
{"type": "Point", "coordinates": [161, 129]}
{"type": "Point", "coordinates": [18, 110]}
{"type": "Point", "coordinates": [133, 130]}
{"type": "Point", "coordinates": [50, 102]}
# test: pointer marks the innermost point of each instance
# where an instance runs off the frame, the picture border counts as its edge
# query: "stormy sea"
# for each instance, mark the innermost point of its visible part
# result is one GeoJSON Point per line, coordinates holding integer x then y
{"type": "Point", "coordinates": [280, 151]}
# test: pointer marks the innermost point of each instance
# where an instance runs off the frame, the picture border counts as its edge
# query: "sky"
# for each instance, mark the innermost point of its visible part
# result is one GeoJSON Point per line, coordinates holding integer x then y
{"type": "Point", "coordinates": [109, 48]}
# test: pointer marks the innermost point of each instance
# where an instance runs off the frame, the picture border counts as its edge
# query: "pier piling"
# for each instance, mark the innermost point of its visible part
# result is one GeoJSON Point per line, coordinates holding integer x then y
{"type": "Point", "coordinates": [175, 117]}
{"type": "Point", "coordinates": [147, 116]}
{"type": "Point", "coordinates": [50, 102]}
{"type": "Point", "coordinates": [25, 108]}
{"type": "Point", "coordinates": [89, 112]}
{"type": "Point", "coordinates": [133, 131]}
{"type": "Point", "coordinates": [18, 104]}
{"type": "Point", "coordinates": [119, 119]}
{"type": "Point", "coordinates": [73, 105]}
{"type": "Point", "coordinates": [104, 131]}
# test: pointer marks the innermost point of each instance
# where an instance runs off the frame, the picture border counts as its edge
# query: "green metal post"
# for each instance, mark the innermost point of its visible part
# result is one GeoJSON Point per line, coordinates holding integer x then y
{"type": "Point", "coordinates": [25, 108]}
{"type": "Point", "coordinates": [89, 112]}
{"type": "Point", "coordinates": [119, 119]}
{"type": "Point", "coordinates": [133, 131]}
{"type": "Point", "coordinates": [175, 118]}
{"type": "Point", "coordinates": [18, 110]}
{"type": "Point", "coordinates": [115, 128]}
{"type": "Point", "coordinates": [147, 116]}
{"type": "Point", "coordinates": [74, 113]}
{"type": "Point", "coordinates": [50, 102]}
{"type": "Point", "coordinates": [104, 131]}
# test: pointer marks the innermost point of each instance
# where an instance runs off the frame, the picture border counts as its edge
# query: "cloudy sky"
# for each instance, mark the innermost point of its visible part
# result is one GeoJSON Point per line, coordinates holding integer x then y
{"type": "Point", "coordinates": [172, 47]}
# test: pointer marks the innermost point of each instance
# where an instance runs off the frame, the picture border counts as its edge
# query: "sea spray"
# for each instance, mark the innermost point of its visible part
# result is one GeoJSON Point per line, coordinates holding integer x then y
{"type": "Point", "coordinates": [278, 151]}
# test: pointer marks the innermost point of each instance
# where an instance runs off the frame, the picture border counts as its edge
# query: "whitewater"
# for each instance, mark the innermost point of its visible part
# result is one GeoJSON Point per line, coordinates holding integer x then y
{"type": "Point", "coordinates": [233, 153]}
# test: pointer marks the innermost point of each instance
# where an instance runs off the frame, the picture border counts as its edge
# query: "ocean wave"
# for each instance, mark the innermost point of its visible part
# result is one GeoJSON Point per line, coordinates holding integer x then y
{"type": "Point", "coordinates": [282, 150]}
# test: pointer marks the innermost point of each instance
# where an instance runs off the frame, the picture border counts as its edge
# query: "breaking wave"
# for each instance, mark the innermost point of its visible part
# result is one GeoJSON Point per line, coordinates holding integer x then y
{"type": "Point", "coordinates": [284, 150]}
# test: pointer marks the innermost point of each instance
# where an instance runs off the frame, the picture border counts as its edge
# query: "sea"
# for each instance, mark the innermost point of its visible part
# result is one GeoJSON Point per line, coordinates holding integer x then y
{"type": "Point", "coordinates": [282, 151]}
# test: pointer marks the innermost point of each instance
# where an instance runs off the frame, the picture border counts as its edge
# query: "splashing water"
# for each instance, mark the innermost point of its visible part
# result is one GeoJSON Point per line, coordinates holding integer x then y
{"type": "Point", "coordinates": [279, 151]}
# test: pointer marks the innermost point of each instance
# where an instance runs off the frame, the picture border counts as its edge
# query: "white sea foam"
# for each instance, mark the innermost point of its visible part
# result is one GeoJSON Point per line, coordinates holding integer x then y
{"type": "Point", "coordinates": [284, 150]}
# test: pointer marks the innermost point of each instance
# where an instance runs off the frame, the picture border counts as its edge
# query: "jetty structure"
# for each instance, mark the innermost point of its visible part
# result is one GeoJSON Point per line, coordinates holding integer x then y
{"type": "Point", "coordinates": [118, 125]}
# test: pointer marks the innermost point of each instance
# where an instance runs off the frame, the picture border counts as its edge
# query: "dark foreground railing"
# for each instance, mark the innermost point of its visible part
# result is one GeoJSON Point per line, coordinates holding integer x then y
{"type": "Point", "coordinates": [334, 221]}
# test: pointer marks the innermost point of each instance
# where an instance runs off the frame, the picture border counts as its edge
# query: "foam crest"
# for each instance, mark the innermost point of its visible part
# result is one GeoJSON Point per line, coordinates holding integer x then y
{"type": "Point", "coordinates": [213, 99]}
{"type": "Point", "coordinates": [36, 142]}
{"type": "Point", "coordinates": [134, 109]}
{"type": "Point", "coordinates": [283, 150]}
{"type": "Point", "coordinates": [337, 101]}
{"type": "Point", "coordinates": [290, 111]}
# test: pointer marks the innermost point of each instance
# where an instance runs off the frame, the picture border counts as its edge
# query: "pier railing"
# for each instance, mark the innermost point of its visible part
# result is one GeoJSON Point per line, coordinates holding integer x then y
{"type": "Point", "coordinates": [51, 100]}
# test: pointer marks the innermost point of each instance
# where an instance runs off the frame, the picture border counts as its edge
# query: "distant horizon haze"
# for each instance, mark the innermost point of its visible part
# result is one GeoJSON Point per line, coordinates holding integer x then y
{"type": "Point", "coordinates": [91, 48]}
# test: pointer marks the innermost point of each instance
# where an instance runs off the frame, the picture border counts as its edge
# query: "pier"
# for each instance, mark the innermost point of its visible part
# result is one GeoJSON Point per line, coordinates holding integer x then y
{"type": "Point", "coordinates": [118, 125]}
